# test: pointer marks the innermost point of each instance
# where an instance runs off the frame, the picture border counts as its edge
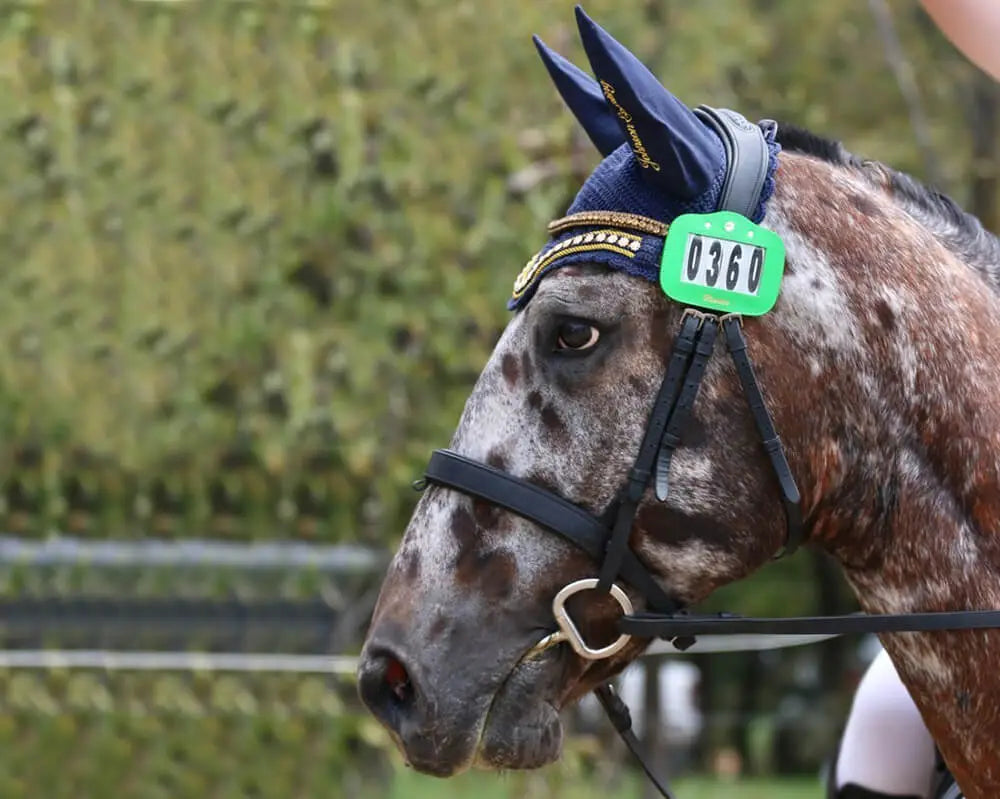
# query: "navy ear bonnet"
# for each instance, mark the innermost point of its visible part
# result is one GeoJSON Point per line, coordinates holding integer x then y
{"type": "Point", "coordinates": [661, 160]}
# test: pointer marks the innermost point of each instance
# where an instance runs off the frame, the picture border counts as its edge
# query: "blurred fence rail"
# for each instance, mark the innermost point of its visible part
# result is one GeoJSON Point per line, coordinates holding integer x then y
{"type": "Point", "coordinates": [193, 594]}
{"type": "Point", "coordinates": [265, 555]}
{"type": "Point", "coordinates": [272, 625]}
{"type": "Point", "coordinates": [193, 668]}
{"type": "Point", "coordinates": [104, 660]}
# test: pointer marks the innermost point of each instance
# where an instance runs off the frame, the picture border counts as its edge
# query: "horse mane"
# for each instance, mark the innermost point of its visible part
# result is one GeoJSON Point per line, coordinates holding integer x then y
{"type": "Point", "coordinates": [959, 231]}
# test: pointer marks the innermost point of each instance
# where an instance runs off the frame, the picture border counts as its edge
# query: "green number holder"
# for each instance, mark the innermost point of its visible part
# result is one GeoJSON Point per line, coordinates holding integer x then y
{"type": "Point", "coordinates": [728, 226]}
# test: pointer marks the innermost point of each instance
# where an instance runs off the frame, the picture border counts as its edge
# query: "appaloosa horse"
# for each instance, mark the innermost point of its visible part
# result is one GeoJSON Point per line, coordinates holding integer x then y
{"type": "Point", "coordinates": [879, 367]}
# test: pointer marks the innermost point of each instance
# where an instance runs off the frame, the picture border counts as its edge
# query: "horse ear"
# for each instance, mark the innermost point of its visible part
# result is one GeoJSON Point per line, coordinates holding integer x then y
{"type": "Point", "coordinates": [678, 153]}
{"type": "Point", "coordinates": [584, 98]}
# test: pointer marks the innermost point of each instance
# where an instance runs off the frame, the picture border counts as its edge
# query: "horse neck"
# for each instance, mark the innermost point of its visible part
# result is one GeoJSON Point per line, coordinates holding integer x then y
{"type": "Point", "coordinates": [898, 445]}
{"type": "Point", "coordinates": [885, 364]}
{"type": "Point", "coordinates": [919, 487]}
{"type": "Point", "coordinates": [930, 540]}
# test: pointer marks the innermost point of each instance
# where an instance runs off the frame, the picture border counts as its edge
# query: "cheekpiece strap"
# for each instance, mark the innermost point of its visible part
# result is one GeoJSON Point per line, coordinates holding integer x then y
{"type": "Point", "coordinates": [790, 498]}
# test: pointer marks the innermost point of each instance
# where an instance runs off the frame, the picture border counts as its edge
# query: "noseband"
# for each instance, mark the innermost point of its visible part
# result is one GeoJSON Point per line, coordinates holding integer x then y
{"type": "Point", "coordinates": [605, 537]}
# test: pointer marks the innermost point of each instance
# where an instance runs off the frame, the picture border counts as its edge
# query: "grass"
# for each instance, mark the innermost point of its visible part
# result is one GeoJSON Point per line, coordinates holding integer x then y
{"type": "Point", "coordinates": [408, 785]}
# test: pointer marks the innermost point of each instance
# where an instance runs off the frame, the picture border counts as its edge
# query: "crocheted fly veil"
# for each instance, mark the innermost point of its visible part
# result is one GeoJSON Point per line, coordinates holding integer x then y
{"type": "Point", "coordinates": [661, 160]}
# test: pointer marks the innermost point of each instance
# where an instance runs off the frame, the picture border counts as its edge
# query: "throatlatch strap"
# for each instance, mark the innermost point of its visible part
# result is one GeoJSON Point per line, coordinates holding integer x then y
{"type": "Point", "coordinates": [692, 382]}
{"type": "Point", "coordinates": [619, 714]}
{"type": "Point", "coordinates": [638, 477]}
{"type": "Point", "coordinates": [790, 498]}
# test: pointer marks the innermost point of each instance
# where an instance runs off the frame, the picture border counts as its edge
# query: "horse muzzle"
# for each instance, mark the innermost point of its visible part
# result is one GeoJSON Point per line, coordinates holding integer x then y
{"type": "Point", "coordinates": [433, 729]}
{"type": "Point", "coordinates": [447, 710]}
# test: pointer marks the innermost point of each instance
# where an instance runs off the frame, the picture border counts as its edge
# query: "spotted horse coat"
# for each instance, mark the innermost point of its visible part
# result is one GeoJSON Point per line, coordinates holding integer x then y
{"type": "Point", "coordinates": [878, 364]}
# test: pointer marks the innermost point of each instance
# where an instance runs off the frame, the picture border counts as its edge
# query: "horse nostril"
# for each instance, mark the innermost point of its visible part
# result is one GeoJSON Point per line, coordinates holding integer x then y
{"type": "Point", "coordinates": [398, 680]}
{"type": "Point", "coordinates": [385, 687]}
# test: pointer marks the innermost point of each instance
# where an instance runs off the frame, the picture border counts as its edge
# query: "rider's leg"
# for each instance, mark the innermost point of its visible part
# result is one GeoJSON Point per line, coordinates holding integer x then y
{"type": "Point", "coordinates": [885, 751]}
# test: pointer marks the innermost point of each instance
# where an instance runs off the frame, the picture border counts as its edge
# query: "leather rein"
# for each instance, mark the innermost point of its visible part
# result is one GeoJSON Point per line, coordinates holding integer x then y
{"type": "Point", "coordinates": [605, 537]}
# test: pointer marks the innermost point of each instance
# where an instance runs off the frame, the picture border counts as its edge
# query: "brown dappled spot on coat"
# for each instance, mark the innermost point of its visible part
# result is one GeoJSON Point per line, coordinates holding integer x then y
{"type": "Point", "coordinates": [491, 573]}
{"type": "Point", "coordinates": [553, 423]}
{"type": "Point", "coordinates": [487, 514]}
{"type": "Point", "coordinates": [437, 627]}
{"type": "Point", "coordinates": [496, 459]}
{"type": "Point", "coordinates": [885, 315]}
{"type": "Point", "coordinates": [409, 565]}
{"type": "Point", "coordinates": [509, 369]}
{"type": "Point", "coordinates": [463, 527]}
{"type": "Point", "coordinates": [527, 367]}
{"type": "Point", "coordinates": [670, 526]}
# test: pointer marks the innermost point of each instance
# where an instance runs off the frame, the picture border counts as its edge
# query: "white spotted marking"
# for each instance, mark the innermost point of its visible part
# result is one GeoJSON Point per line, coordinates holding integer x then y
{"type": "Point", "coordinates": [684, 567]}
{"type": "Point", "coordinates": [692, 483]}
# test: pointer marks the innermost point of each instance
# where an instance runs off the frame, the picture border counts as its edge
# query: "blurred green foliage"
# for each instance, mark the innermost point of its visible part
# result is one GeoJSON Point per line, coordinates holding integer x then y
{"type": "Point", "coordinates": [514, 786]}
{"type": "Point", "coordinates": [212, 736]}
{"type": "Point", "coordinates": [256, 253]}
{"type": "Point", "coordinates": [190, 582]}
{"type": "Point", "coordinates": [92, 735]}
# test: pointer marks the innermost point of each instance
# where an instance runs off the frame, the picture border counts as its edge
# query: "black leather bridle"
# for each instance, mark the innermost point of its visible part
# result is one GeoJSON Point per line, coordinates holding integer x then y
{"type": "Point", "coordinates": [605, 537]}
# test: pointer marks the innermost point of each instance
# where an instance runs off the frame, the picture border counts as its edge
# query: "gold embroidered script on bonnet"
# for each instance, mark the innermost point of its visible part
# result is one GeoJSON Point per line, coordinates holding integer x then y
{"type": "Point", "coordinates": [637, 146]}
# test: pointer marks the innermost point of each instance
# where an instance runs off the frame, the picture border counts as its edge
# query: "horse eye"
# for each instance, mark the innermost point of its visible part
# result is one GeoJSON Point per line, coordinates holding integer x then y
{"type": "Point", "coordinates": [577, 336]}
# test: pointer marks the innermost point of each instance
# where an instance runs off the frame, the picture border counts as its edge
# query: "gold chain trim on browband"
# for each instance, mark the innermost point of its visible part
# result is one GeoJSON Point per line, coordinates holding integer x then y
{"type": "Point", "coordinates": [616, 241]}
{"type": "Point", "coordinates": [640, 224]}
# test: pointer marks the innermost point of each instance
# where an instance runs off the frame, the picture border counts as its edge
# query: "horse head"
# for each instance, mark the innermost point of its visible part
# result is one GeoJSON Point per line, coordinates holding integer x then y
{"type": "Point", "coordinates": [867, 361]}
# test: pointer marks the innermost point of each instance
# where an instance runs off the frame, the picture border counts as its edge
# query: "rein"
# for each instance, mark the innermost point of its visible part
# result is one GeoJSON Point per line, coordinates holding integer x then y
{"type": "Point", "coordinates": [605, 537]}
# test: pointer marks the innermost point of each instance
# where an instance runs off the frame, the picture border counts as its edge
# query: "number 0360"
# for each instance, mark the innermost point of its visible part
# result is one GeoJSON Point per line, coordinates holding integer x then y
{"type": "Point", "coordinates": [720, 263]}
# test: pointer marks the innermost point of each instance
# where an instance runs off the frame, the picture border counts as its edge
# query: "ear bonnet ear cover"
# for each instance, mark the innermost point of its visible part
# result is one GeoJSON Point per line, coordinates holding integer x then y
{"type": "Point", "coordinates": [669, 163]}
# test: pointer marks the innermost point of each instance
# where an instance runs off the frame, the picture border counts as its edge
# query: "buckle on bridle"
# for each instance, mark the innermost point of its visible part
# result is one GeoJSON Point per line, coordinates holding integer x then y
{"type": "Point", "coordinates": [699, 315]}
{"type": "Point", "coordinates": [568, 631]}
